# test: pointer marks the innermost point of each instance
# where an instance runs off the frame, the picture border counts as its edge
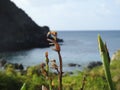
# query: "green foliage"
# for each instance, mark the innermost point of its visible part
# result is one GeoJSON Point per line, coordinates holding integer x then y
{"type": "Point", "coordinates": [95, 79]}
{"type": "Point", "coordinates": [10, 70]}
{"type": "Point", "coordinates": [9, 82]}
{"type": "Point", "coordinates": [72, 82]}
{"type": "Point", "coordinates": [30, 71]}
{"type": "Point", "coordinates": [115, 69]}
{"type": "Point", "coordinates": [35, 82]}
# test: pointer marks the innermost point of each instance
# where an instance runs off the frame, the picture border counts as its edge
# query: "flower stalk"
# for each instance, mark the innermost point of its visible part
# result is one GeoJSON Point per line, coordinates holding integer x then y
{"type": "Point", "coordinates": [47, 70]}
{"type": "Point", "coordinates": [60, 74]}
{"type": "Point", "coordinates": [53, 34]}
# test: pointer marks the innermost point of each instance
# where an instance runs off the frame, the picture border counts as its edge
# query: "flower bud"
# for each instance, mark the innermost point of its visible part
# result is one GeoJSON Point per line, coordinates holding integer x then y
{"type": "Point", "coordinates": [46, 54]}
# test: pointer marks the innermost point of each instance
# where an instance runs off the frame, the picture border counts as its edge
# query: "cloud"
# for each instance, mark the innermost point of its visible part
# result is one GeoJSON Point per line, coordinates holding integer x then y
{"type": "Point", "coordinates": [21, 3]}
{"type": "Point", "coordinates": [73, 14]}
{"type": "Point", "coordinates": [117, 2]}
{"type": "Point", "coordinates": [103, 10]}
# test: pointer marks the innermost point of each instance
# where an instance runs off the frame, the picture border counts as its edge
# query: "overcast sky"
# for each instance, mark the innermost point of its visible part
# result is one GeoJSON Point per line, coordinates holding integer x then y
{"type": "Point", "coordinates": [73, 14]}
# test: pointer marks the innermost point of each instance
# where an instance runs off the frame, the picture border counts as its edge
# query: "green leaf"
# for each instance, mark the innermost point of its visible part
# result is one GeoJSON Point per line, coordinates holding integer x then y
{"type": "Point", "coordinates": [23, 87]}
{"type": "Point", "coordinates": [106, 61]}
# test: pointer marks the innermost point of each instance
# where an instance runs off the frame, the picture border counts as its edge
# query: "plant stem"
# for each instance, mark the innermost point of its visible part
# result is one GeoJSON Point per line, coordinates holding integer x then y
{"type": "Point", "coordinates": [48, 73]}
{"type": "Point", "coordinates": [60, 74]}
{"type": "Point", "coordinates": [50, 86]}
{"type": "Point", "coordinates": [83, 82]}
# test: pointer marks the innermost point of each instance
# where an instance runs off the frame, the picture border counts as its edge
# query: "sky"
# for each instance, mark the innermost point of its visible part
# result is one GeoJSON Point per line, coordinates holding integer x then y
{"type": "Point", "coordinates": [73, 14]}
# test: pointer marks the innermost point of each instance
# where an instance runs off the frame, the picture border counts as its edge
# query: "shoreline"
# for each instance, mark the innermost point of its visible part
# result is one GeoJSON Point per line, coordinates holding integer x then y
{"type": "Point", "coordinates": [72, 66]}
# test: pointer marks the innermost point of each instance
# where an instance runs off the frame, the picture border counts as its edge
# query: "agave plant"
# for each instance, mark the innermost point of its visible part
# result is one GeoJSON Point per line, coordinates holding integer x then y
{"type": "Point", "coordinates": [106, 61]}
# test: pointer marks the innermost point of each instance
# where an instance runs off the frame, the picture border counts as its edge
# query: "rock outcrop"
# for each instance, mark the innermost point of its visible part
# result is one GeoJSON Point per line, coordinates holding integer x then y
{"type": "Point", "coordinates": [94, 64]}
{"type": "Point", "coordinates": [74, 65]}
{"type": "Point", "coordinates": [17, 30]}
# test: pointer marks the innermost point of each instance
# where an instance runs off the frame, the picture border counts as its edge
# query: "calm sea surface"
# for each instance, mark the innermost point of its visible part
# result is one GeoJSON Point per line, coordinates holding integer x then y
{"type": "Point", "coordinates": [79, 47]}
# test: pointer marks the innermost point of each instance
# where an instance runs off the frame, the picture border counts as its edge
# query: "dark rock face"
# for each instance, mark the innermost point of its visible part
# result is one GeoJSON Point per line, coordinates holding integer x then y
{"type": "Point", "coordinates": [17, 30]}
{"type": "Point", "coordinates": [73, 65]}
{"type": "Point", "coordinates": [94, 64]}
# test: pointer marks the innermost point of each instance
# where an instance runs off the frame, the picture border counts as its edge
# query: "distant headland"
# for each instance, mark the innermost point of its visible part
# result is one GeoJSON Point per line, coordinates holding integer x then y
{"type": "Point", "coordinates": [17, 30]}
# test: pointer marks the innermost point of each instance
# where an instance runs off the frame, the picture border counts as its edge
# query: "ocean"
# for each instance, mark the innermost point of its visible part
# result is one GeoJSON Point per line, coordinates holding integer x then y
{"type": "Point", "coordinates": [79, 47]}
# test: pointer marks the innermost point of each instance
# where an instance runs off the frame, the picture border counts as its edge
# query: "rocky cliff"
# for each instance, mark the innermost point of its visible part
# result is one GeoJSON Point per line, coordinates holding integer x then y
{"type": "Point", "coordinates": [17, 30]}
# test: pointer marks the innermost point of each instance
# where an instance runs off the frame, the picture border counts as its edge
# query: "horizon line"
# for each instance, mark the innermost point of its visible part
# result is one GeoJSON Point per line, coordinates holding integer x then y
{"type": "Point", "coordinates": [88, 30]}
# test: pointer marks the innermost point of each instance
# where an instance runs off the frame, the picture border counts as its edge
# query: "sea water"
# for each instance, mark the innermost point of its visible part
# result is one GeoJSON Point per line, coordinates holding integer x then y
{"type": "Point", "coordinates": [79, 47]}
